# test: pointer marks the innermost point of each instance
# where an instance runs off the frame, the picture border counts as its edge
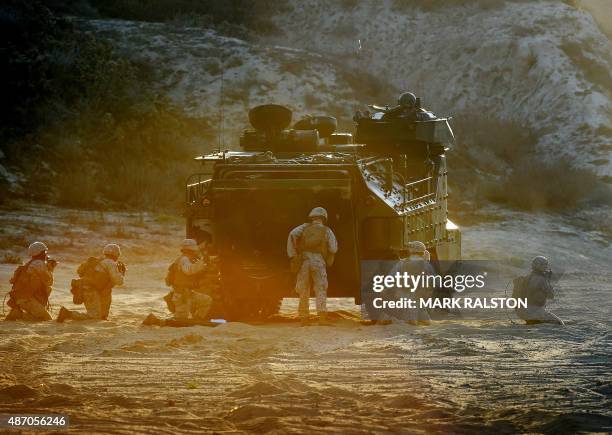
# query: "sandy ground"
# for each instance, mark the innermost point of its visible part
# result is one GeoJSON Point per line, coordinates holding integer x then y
{"type": "Point", "coordinates": [453, 377]}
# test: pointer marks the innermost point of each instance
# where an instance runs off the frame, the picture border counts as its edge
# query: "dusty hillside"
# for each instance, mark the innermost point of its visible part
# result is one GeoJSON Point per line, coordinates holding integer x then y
{"type": "Point", "coordinates": [542, 65]}
{"type": "Point", "coordinates": [527, 81]}
{"type": "Point", "coordinates": [189, 63]}
{"type": "Point", "coordinates": [602, 12]}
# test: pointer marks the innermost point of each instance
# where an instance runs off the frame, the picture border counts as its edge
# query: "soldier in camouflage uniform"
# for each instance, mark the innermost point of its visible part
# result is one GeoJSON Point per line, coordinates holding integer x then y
{"type": "Point", "coordinates": [416, 264]}
{"type": "Point", "coordinates": [94, 289]}
{"type": "Point", "coordinates": [311, 248]}
{"type": "Point", "coordinates": [536, 287]}
{"type": "Point", "coordinates": [190, 297]}
{"type": "Point", "coordinates": [32, 286]}
{"type": "Point", "coordinates": [193, 279]}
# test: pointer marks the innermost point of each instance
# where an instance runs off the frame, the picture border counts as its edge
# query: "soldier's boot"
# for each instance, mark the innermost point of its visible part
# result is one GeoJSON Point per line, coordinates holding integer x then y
{"type": "Point", "coordinates": [152, 319]}
{"type": "Point", "coordinates": [64, 314]}
{"type": "Point", "coordinates": [14, 314]}
{"type": "Point", "coordinates": [323, 320]}
{"type": "Point", "coordinates": [367, 322]}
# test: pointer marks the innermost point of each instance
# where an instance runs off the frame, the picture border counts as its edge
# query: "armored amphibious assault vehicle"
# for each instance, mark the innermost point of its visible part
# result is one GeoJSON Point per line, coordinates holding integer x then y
{"type": "Point", "coordinates": [383, 187]}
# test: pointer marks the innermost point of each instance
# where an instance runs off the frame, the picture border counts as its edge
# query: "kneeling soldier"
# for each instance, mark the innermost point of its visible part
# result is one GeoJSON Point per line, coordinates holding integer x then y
{"type": "Point", "coordinates": [32, 286]}
{"type": "Point", "coordinates": [537, 288]}
{"type": "Point", "coordinates": [188, 298]}
{"type": "Point", "coordinates": [98, 276]}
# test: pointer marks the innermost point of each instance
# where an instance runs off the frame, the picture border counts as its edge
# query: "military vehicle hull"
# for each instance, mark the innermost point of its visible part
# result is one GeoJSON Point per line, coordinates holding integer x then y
{"type": "Point", "coordinates": [380, 195]}
{"type": "Point", "coordinates": [248, 209]}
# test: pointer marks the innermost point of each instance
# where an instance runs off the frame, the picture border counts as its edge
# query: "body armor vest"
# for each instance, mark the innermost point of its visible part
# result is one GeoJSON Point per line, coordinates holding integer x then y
{"type": "Point", "coordinates": [93, 275]}
{"type": "Point", "coordinates": [25, 286]}
{"type": "Point", "coordinates": [182, 280]}
{"type": "Point", "coordinates": [314, 239]}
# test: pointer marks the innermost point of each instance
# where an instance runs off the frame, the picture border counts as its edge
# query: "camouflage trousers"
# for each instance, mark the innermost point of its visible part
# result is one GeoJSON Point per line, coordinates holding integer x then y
{"type": "Point", "coordinates": [312, 276]}
{"type": "Point", "coordinates": [106, 298]}
{"type": "Point", "coordinates": [537, 315]}
{"type": "Point", "coordinates": [28, 309]}
{"type": "Point", "coordinates": [189, 303]}
{"type": "Point", "coordinates": [95, 306]}
{"type": "Point", "coordinates": [416, 314]}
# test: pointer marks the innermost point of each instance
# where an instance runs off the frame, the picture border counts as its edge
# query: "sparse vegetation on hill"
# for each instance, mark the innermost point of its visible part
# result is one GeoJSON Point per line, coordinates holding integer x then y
{"type": "Point", "coordinates": [239, 18]}
{"type": "Point", "coordinates": [103, 113]}
{"type": "Point", "coordinates": [82, 122]}
{"type": "Point", "coordinates": [497, 161]}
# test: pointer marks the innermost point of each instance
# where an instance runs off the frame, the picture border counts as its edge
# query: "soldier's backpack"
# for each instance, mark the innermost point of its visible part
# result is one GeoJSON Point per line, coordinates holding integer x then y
{"type": "Point", "coordinates": [90, 277]}
{"type": "Point", "coordinates": [519, 287]}
{"type": "Point", "coordinates": [171, 274]}
{"type": "Point", "coordinates": [18, 282]}
{"type": "Point", "coordinates": [76, 288]}
{"type": "Point", "coordinates": [314, 239]}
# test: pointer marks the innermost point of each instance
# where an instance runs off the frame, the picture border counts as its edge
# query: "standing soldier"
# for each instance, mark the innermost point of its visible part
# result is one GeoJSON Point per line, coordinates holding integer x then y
{"type": "Point", "coordinates": [98, 276]}
{"type": "Point", "coordinates": [311, 248]}
{"type": "Point", "coordinates": [32, 286]}
{"type": "Point", "coordinates": [536, 287]}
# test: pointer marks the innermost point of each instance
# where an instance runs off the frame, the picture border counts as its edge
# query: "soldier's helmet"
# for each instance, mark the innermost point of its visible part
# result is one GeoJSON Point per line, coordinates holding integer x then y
{"type": "Point", "coordinates": [540, 264]}
{"type": "Point", "coordinates": [36, 248]}
{"type": "Point", "coordinates": [318, 212]}
{"type": "Point", "coordinates": [417, 248]}
{"type": "Point", "coordinates": [189, 245]}
{"type": "Point", "coordinates": [112, 249]}
{"type": "Point", "coordinates": [407, 99]}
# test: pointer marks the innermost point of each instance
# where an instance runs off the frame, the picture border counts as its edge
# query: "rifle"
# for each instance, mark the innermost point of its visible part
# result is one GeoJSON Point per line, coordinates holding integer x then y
{"type": "Point", "coordinates": [51, 263]}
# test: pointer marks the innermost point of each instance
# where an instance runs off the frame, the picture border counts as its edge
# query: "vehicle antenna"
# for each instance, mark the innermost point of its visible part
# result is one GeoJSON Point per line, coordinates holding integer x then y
{"type": "Point", "coordinates": [221, 108]}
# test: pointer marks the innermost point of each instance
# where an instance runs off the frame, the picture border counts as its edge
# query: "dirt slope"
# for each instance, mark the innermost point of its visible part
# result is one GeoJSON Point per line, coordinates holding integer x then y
{"type": "Point", "coordinates": [602, 12]}
{"type": "Point", "coordinates": [543, 64]}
